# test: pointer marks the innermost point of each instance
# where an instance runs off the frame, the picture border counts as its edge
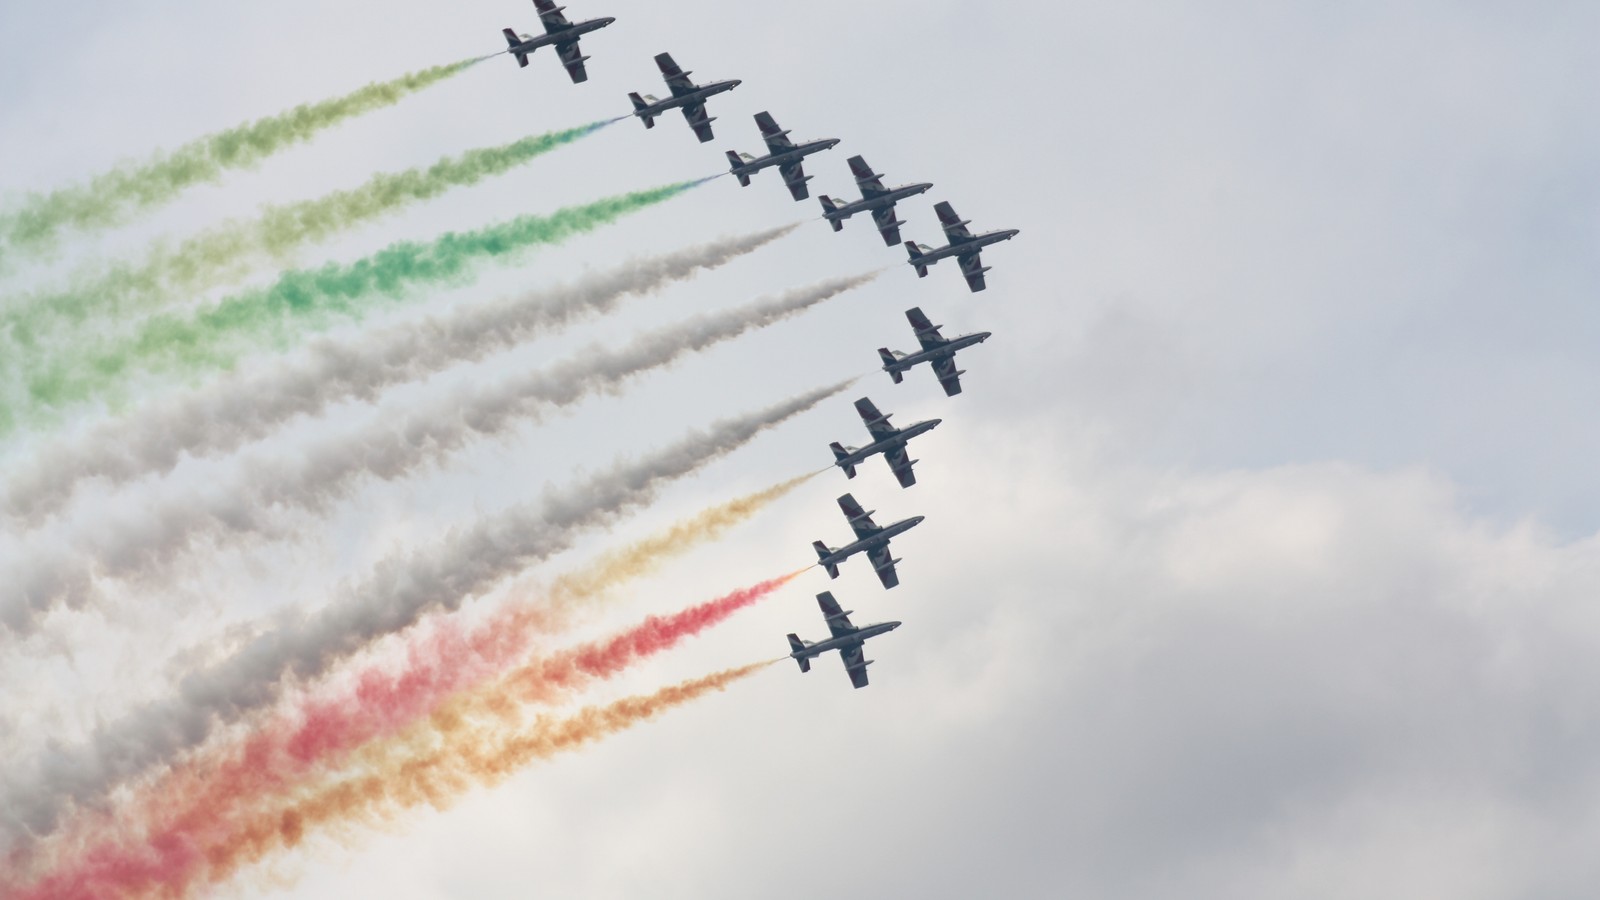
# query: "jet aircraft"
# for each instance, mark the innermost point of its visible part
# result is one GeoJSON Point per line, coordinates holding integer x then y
{"type": "Point", "coordinates": [686, 94]}
{"type": "Point", "coordinates": [875, 198]}
{"type": "Point", "coordinates": [963, 245]}
{"type": "Point", "coordinates": [870, 539]}
{"type": "Point", "coordinates": [559, 32]}
{"type": "Point", "coordinates": [886, 439]}
{"type": "Point", "coordinates": [939, 351]}
{"type": "Point", "coordinates": [781, 152]}
{"type": "Point", "coordinates": [846, 638]}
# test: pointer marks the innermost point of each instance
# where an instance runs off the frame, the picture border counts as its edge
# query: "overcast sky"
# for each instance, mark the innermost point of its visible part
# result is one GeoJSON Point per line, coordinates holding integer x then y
{"type": "Point", "coordinates": [1261, 555]}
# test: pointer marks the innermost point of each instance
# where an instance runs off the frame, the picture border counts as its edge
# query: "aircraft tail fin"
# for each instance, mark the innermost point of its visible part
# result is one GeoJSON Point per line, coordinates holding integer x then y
{"type": "Point", "coordinates": [797, 646]}
{"type": "Point", "coordinates": [916, 255]}
{"type": "Point", "coordinates": [839, 456]}
{"type": "Point", "coordinates": [822, 554]}
{"type": "Point", "coordinates": [512, 41]}
{"type": "Point", "coordinates": [829, 207]}
{"type": "Point", "coordinates": [639, 106]}
{"type": "Point", "coordinates": [736, 162]}
{"type": "Point", "coordinates": [889, 359]}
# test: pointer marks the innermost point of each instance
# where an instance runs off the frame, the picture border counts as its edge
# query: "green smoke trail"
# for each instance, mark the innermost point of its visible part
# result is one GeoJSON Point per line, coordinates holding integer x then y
{"type": "Point", "coordinates": [107, 199]}
{"type": "Point", "coordinates": [221, 253]}
{"type": "Point", "coordinates": [186, 346]}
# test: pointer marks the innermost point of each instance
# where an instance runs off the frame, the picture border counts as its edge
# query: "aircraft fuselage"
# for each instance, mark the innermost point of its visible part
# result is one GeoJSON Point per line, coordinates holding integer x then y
{"type": "Point", "coordinates": [862, 454]}
{"type": "Point", "coordinates": [949, 349]}
{"type": "Point", "coordinates": [878, 202]}
{"type": "Point", "coordinates": [797, 153]}
{"type": "Point", "coordinates": [694, 96]}
{"type": "Point", "coordinates": [977, 242]}
{"type": "Point", "coordinates": [844, 642]}
{"type": "Point", "coordinates": [862, 545]}
{"type": "Point", "coordinates": [566, 34]}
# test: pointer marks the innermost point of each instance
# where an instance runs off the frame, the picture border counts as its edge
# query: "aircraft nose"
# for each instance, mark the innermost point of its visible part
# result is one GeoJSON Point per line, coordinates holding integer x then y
{"type": "Point", "coordinates": [918, 520]}
{"type": "Point", "coordinates": [894, 625]}
{"type": "Point", "coordinates": [984, 336]}
{"type": "Point", "coordinates": [737, 82]}
{"type": "Point", "coordinates": [934, 423]}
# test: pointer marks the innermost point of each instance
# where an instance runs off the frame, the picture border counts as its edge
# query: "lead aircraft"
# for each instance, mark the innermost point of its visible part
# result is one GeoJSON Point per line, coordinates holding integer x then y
{"type": "Point", "coordinates": [875, 198]}
{"type": "Point", "coordinates": [845, 638]}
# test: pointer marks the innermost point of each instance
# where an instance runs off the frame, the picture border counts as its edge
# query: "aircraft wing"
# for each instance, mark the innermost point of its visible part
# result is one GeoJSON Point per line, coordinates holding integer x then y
{"type": "Point", "coordinates": [676, 78]}
{"type": "Point", "coordinates": [855, 662]}
{"type": "Point", "coordinates": [972, 268]}
{"type": "Point", "coordinates": [927, 332]}
{"type": "Point", "coordinates": [860, 522]}
{"type": "Point", "coordinates": [900, 465]}
{"type": "Point", "coordinates": [883, 564]}
{"type": "Point", "coordinates": [955, 230]}
{"type": "Point", "coordinates": [777, 139]}
{"type": "Point", "coordinates": [551, 15]}
{"type": "Point", "coordinates": [795, 178]}
{"type": "Point", "coordinates": [870, 183]}
{"type": "Point", "coordinates": [949, 376]}
{"type": "Point", "coordinates": [877, 423]}
{"type": "Point", "coordinates": [888, 226]}
{"type": "Point", "coordinates": [838, 620]}
{"type": "Point", "coordinates": [695, 114]}
{"type": "Point", "coordinates": [572, 58]}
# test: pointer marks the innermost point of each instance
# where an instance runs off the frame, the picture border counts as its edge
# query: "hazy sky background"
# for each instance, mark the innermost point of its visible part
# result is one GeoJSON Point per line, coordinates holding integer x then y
{"type": "Point", "coordinates": [1260, 557]}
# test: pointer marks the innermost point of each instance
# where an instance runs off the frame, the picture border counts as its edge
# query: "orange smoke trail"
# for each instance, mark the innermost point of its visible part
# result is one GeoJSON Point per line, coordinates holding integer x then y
{"type": "Point", "coordinates": [212, 805]}
{"type": "Point", "coordinates": [150, 841]}
{"type": "Point", "coordinates": [467, 752]}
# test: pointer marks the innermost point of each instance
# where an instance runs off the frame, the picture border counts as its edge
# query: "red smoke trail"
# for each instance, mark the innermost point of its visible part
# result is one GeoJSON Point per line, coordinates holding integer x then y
{"type": "Point", "coordinates": [178, 825]}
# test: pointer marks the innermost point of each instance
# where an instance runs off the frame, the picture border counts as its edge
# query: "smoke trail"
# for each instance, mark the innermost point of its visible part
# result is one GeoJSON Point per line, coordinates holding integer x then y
{"type": "Point", "coordinates": [221, 252]}
{"type": "Point", "coordinates": [390, 445]}
{"type": "Point", "coordinates": [186, 346]}
{"type": "Point", "coordinates": [243, 406]}
{"type": "Point", "coordinates": [259, 776]}
{"type": "Point", "coordinates": [465, 752]}
{"type": "Point", "coordinates": [399, 591]}
{"type": "Point", "coordinates": [108, 199]}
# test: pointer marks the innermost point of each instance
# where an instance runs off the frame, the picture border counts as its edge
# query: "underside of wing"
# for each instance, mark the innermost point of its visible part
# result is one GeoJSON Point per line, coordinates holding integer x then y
{"type": "Point", "coordinates": [795, 177]}
{"type": "Point", "coordinates": [860, 522]}
{"type": "Point", "coordinates": [572, 58]}
{"type": "Point", "coordinates": [927, 332]}
{"type": "Point", "coordinates": [949, 376]}
{"type": "Point", "coordinates": [972, 268]}
{"type": "Point", "coordinates": [677, 79]}
{"type": "Point", "coordinates": [855, 663]}
{"type": "Point", "coordinates": [777, 139]}
{"type": "Point", "coordinates": [551, 15]}
{"type": "Point", "coordinates": [900, 465]}
{"type": "Point", "coordinates": [870, 183]}
{"type": "Point", "coordinates": [877, 423]}
{"type": "Point", "coordinates": [695, 114]}
{"type": "Point", "coordinates": [883, 564]}
{"type": "Point", "coordinates": [888, 225]}
{"type": "Point", "coordinates": [955, 230]}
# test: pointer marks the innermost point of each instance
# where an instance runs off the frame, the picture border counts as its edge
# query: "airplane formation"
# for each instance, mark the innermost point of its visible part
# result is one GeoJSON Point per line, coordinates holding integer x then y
{"type": "Point", "coordinates": [939, 352]}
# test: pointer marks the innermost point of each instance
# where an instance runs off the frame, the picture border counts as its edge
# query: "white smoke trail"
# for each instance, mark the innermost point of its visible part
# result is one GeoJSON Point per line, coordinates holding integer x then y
{"type": "Point", "coordinates": [397, 592]}
{"type": "Point", "coordinates": [59, 566]}
{"type": "Point", "coordinates": [247, 405]}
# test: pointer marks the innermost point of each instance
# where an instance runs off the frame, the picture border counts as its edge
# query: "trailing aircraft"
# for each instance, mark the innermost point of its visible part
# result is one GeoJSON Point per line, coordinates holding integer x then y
{"type": "Point", "coordinates": [686, 95]}
{"type": "Point", "coordinates": [781, 152]}
{"type": "Point", "coordinates": [963, 245]}
{"type": "Point", "coordinates": [871, 539]}
{"type": "Point", "coordinates": [875, 198]}
{"type": "Point", "coordinates": [937, 350]}
{"type": "Point", "coordinates": [886, 439]}
{"type": "Point", "coordinates": [844, 637]}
